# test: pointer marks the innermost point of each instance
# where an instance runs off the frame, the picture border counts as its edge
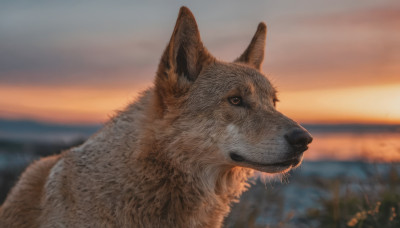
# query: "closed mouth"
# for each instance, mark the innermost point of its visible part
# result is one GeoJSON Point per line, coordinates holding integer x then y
{"type": "Point", "coordinates": [290, 162]}
{"type": "Point", "coordinates": [300, 149]}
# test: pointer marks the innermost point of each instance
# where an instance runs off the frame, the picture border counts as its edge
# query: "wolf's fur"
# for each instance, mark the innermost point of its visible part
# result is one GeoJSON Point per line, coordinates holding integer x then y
{"type": "Point", "coordinates": [177, 157]}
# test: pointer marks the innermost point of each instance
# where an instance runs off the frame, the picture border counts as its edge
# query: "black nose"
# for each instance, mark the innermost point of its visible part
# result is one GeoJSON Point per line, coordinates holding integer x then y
{"type": "Point", "coordinates": [298, 138]}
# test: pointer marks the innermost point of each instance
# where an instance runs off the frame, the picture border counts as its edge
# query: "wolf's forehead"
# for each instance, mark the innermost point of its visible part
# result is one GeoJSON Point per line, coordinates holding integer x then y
{"type": "Point", "coordinates": [224, 77]}
{"type": "Point", "coordinates": [255, 79]}
{"type": "Point", "coordinates": [262, 84]}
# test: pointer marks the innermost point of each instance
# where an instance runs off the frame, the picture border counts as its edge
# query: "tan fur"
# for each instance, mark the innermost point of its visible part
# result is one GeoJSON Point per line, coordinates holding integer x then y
{"type": "Point", "coordinates": [166, 160]}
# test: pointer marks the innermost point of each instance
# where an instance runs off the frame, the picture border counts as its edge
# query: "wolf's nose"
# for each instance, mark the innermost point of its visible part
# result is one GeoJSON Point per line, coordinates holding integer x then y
{"type": "Point", "coordinates": [298, 138]}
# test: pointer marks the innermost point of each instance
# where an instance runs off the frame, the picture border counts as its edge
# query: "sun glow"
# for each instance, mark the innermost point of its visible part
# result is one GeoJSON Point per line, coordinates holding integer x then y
{"type": "Point", "coordinates": [372, 104]}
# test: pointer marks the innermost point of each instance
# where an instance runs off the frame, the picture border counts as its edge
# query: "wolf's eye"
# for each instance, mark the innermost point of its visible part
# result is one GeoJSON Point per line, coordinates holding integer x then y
{"type": "Point", "coordinates": [237, 101]}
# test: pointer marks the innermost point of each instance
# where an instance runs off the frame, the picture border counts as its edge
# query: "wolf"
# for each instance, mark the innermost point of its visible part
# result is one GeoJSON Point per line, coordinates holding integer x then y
{"type": "Point", "coordinates": [177, 157]}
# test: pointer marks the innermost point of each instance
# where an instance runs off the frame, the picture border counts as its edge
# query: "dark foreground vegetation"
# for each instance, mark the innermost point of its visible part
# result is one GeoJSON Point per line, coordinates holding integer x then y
{"type": "Point", "coordinates": [361, 195]}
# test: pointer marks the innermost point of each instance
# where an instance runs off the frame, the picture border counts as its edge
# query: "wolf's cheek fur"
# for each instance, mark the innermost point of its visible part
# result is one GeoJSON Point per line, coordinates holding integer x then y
{"type": "Point", "coordinates": [271, 153]}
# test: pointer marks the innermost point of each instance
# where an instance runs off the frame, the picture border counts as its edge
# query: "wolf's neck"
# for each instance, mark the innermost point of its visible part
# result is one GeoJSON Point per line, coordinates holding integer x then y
{"type": "Point", "coordinates": [187, 198]}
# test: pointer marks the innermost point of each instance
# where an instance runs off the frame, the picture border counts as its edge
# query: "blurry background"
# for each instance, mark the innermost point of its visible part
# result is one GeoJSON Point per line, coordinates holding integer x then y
{"type": "Point", "coordinates": [66, 66]}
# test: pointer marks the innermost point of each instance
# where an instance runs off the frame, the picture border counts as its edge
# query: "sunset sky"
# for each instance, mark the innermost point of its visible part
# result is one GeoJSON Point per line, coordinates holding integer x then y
{"type": "Point", "coordinates": [79, 61]}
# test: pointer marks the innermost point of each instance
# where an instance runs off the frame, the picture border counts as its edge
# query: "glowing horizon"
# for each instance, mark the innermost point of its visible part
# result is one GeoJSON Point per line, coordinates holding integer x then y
{"type": "Point", "coordinates": [378, 104]}
{"type": "Point", "coordinates": [364, 105]}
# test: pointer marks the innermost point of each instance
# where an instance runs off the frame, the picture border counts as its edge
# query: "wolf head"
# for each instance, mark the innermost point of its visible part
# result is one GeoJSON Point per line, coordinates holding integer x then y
{"type": "Point", "coordinates": [223, 113]}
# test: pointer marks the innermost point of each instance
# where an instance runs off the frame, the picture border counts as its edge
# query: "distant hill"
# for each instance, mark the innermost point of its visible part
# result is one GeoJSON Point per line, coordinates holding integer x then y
{"type": "Point", "coordinates": [30, 130]}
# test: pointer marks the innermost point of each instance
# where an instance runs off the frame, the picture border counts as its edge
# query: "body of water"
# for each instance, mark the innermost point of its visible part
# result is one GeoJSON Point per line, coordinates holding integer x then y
{"type": "Point", "coordinates": [354, 146]}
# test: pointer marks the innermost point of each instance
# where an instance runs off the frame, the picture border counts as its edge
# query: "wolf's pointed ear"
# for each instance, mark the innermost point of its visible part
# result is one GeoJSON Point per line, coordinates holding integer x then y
{"type": "Point", "coordinates": [182, 61]}
{"type": "Point", "coordinates": [254, 54]}
{"type": "Point", "coordinates": [185, 54]}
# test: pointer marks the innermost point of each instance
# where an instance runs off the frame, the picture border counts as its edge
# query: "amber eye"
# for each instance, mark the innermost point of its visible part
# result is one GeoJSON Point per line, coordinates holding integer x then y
{"type": "Point", "coordinates": [235, 101]}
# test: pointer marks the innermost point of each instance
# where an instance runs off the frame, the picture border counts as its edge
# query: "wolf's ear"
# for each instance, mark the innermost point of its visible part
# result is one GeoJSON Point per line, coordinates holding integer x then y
{"type": "Point", "coordinates": [182, 61]}
{"type": "Point", "coordinates": [254, 54]}
{"type": "Point", "coordinates": [185, 55]}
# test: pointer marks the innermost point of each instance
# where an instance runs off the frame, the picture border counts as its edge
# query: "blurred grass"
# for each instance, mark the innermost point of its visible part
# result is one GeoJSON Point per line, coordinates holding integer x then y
{"type": "Point", "coordinates": [342, 202]}
{"type": "Point", "coordinates": [375, 204]}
